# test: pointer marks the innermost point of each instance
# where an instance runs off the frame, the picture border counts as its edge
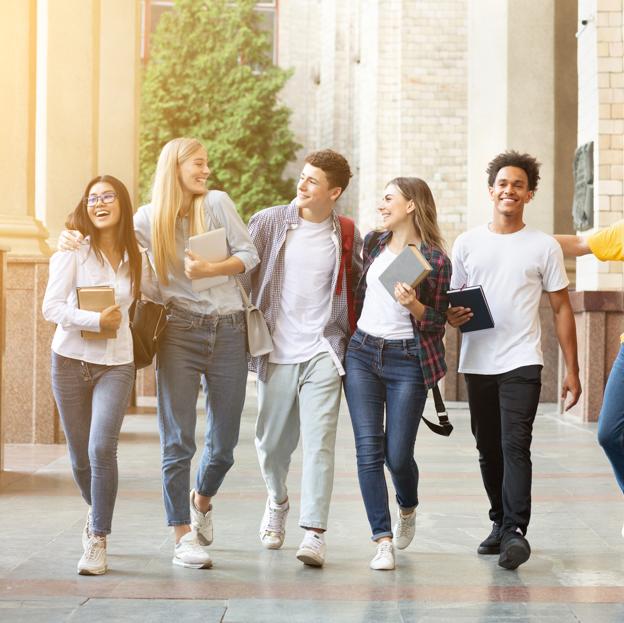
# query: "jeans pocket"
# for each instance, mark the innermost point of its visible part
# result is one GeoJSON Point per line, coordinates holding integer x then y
{"type": "Point", "coordinates": [179, 322]}
{"type": "Point", "coordinates": [355, 343]}
{"type": "Point", "coordinates": [411, 353]}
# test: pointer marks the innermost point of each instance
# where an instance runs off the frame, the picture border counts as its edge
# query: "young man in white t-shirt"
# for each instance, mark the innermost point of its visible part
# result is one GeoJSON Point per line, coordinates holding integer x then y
{"type": "Point", "coordinates": [502, 366]}
{"type": "Point", "coordinates": [299, 384]}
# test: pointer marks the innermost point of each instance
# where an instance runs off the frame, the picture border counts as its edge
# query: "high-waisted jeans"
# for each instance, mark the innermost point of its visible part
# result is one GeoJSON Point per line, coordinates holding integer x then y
{"type": "Point", "coordinates": [611, 420]}
{"type": "Point", "coordinates": [385, 374]}
{"type": "Point", "coordinates": [92, 400]}
{"type": "Point", "coordinates": [197, 347]}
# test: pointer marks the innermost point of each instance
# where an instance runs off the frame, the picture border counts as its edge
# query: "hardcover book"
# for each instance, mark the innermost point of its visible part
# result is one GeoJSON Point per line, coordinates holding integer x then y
{"type": "Point", "coordinates": [474, 298]}
{"type": "Point", "coordinates": [96, 298]}
{"type": "Point", "coordinates": [409, 266]}
{"type": "Point", "coordinates": [212, 247]}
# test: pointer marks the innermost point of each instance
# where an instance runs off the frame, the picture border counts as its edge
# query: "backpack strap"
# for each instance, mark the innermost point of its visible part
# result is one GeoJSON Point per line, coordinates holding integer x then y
{"type": "Point", "coordinates": [347, 229]}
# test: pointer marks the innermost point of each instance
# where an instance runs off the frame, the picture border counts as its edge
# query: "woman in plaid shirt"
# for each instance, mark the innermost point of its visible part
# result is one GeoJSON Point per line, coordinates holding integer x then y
{"type": "Point", "coordinates": [394, 357]}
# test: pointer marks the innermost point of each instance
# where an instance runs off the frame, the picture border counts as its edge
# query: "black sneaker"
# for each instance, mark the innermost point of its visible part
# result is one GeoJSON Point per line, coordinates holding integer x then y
{"type": "Point", "coordinates": [491, 545]}
{"type": "Point", "coordinates": [514, 550]}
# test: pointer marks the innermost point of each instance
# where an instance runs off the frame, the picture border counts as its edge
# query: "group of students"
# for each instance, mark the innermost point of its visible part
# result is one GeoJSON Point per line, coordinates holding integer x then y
{"type": "Point", "coordinates": [291, 259]}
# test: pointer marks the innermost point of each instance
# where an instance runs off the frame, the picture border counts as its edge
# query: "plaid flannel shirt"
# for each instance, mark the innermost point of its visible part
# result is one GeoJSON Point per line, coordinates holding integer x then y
{"type": "Point", "coordinates": [431, 292]}
{"type": "Point", "coordinates": [268, 229]}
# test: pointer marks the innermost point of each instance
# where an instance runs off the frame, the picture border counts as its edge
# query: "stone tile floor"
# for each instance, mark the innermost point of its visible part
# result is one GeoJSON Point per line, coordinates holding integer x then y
{"type": "Point", "coordinates": [576, 572]}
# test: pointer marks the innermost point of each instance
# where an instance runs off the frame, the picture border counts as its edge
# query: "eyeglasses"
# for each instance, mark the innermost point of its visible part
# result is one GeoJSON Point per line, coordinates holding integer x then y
{"type": "Point", "coordinates": [107, 197]}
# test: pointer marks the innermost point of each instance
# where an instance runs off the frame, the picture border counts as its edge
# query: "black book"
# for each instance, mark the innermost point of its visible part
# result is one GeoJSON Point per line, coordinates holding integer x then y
{"type": "Point", "coordinates": [473, 297]}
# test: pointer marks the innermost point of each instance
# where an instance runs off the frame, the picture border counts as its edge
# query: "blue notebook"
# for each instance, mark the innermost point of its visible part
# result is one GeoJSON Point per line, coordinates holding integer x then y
{"type": "Point", "coordinates": [473, 297]}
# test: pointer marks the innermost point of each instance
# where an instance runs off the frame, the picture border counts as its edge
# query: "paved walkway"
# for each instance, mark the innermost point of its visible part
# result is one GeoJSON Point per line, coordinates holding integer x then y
{"type": "Point", "coordinates": [576, 572]}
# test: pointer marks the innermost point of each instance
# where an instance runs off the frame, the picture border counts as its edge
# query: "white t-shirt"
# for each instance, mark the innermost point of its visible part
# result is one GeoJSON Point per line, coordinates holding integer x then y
{"type": "Point", "coordinates": [305, 302]}
{"type": "Point", "coordinates": [381, 315]}
{"type": "Point", "coordinates": [513, 270]}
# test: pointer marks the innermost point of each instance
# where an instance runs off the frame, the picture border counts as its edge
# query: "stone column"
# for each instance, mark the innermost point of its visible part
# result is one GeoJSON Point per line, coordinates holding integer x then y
{"type": "Point", "coordinates": [598, 305]}
{"type": "Point", "coordinates": [19, 229]}
{"type": "Point", "coordinates": [3, 252]}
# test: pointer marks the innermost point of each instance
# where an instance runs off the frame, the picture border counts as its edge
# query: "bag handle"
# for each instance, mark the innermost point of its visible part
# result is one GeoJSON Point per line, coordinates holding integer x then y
{"type": "Point", "coordinates": [444, 427]}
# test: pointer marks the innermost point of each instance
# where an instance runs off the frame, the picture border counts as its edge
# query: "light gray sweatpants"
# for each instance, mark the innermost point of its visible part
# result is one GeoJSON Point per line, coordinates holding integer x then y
{"type": "Point", "coordinates": [300, 397]}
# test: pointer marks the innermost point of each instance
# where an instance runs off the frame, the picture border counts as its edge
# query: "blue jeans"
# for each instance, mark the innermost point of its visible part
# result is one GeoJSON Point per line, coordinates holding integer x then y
{"type": "Point", "coordinates": [92, 401]}
{"type": "Point", "coordinates": [198, 347]}
{"type": "Point", "coordinates": [611, 421]}
{"type": "Point", "coordinates": [385, 373]}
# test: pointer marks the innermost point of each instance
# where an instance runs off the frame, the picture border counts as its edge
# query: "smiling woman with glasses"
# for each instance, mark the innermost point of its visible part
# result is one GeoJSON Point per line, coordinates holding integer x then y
{"type": "Point", "coordinates": [92, 379]}
{"type": "Point", "coordinates": [106, 197]}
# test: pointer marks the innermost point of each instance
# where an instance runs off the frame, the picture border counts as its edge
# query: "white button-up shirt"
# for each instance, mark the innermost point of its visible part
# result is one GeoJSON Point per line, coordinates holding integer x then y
{"type": "Point", "coordinates": [75, 269]}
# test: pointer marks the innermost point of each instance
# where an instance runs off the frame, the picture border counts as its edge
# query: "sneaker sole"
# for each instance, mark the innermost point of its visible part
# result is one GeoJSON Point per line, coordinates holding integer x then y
{"type": "Point", "coordinates": [309, 558]}
{"type": "Point", "coordinates": [203, 540]}
{"type": "Point", "coordinates": [92, 571]}
{"type": "Point", "coordinates": [383, 568]}
{"type": "Point", "coordinates": [192, 565]}
{"type": "Point", "coordinates": [489, 550]}
{"type": "Point", "coordinates": [271, 545]}
{"type": "Point", "coordinates": [515, 555]}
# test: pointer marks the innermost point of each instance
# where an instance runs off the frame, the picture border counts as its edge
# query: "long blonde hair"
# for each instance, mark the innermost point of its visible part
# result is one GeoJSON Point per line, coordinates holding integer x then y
{"type": "Point", "coordinates": [167, 195]}
{"type": "Point", "coordinates": [425, 216]}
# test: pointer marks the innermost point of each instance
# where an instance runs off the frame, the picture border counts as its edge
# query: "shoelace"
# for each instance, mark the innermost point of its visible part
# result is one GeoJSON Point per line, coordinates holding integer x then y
{"type": "Point", "coordinates": [403, 525]}
{"type": "Point", "coordinates": [384, 548]}
{"type": "Point", "coordinates": [275, 520]}
{"type": "Point", "coordinates": [94, 548]}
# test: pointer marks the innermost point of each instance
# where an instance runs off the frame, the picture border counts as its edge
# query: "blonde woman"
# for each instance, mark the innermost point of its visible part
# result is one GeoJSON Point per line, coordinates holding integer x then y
{"type": "Point", "coordinates": [204, 340]}
{"type": "Point", "coordinates": [394, 357]}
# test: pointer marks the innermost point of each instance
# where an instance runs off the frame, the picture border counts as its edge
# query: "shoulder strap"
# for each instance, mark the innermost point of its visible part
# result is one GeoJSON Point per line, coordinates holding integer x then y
{"type": "Point", "coordinates": [444, 427]}
{"type": "Point", "coordinates": [347, 229]}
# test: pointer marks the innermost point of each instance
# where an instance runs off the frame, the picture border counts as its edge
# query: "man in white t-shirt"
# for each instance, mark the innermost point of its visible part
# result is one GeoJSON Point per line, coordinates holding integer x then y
{"type": "Point", "coordinates": [302, 287]}
{"type": "Point", "coordinates": [514, 264]}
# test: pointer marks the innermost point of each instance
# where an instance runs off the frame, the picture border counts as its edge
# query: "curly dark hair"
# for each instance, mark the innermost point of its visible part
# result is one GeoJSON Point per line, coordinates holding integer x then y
{"type": "Point", "coordinates": [334, 165]}
{"type": "Point", "coordinates": [512, 158]}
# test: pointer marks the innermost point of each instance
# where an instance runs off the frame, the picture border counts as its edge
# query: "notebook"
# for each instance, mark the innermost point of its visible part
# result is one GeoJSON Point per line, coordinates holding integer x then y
{"type": "Point", "coordinates": [211, 246]}
{"type": "Point", "coordinates": [473, 297]}
{"type": "Point", "coordinates": [409, 266]}
{"type": "Point", "coordinates": [96, 298]}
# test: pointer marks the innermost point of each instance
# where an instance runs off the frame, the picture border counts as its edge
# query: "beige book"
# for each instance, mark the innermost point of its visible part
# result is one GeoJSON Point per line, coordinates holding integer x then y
{"type": "Point", "coordinates": [96, 298]}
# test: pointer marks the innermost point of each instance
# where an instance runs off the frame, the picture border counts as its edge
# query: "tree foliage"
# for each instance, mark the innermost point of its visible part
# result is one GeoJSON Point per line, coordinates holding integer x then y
{"type": "Point", "coordinates": [210, 77]}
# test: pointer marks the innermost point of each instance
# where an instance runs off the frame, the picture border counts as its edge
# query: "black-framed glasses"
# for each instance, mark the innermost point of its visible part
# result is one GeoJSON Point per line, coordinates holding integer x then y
{"type": "Point", "coordinates": [107, 197]}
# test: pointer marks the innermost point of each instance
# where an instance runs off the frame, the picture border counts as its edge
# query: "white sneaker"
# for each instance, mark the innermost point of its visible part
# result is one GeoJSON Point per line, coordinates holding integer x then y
{"type": "Point", "coordinates": [86, 531]}
{"type": "Point", "coordinates": [404, 529]}
{"type": "Point", "coordinates": [93, 561]}
{"type": "Point", "coordinates": [312, 549]}
{"type": "Point", "coordinates": [201, 522]}
{"type": "Point", "coordinates": [384, 558]}
{"type": "Point", "coordinates": [273, 526]}
{"type": "Point", "coordinates": [189, 552]}
{"type": "Point", "coordinates": [622, 530]}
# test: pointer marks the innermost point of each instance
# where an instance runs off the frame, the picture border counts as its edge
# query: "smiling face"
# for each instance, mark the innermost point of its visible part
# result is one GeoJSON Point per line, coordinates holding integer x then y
{"type": "Point", "coordinates": [395, 210]}
{"type": "Point", "coordinates": [510, 192]}
{"type": "Point", "coordinates": [103, 206]}
{"type": "Point", "coordinates": [313, 189]}
{"type": "Point", "coordinates": [194, 172]}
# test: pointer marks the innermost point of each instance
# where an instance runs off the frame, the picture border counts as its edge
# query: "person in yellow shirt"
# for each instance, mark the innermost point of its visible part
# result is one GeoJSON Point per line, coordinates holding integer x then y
{"type": "Point", "coordinates": [607, 244]}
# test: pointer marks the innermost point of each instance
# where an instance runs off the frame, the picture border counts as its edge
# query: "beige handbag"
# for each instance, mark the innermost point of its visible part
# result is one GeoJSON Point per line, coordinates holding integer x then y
{"type": "Point", "coordinates": [259, 340]}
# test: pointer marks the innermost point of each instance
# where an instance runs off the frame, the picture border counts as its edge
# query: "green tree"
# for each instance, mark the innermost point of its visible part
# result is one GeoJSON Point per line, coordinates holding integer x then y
{"type": "Point", "coordinates": [210, 77]}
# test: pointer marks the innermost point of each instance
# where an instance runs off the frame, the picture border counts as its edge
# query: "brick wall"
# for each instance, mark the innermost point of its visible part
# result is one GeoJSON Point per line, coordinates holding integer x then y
{"type": "Point", "coordinates": [601, 119]}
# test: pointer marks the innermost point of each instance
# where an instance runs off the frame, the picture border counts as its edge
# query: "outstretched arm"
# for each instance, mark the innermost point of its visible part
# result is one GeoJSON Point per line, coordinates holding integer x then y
{"type": "Point", "coordinates": [566, 334]}
{"type": "Point", "coordinates": [573, 246]}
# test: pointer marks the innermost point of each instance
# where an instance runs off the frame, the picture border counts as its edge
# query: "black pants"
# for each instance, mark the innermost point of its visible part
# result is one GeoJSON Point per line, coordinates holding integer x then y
{"type": "Point", "coordinates": [502, 410]}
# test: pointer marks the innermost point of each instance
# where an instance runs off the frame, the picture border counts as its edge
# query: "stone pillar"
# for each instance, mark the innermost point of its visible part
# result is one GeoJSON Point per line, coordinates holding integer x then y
{"type": "Point", "coordinates": [3, 252]}
{"type": "Point", "coordinates": [19, 229]}
{"type": "Point", "coordinates": [598, 304]}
